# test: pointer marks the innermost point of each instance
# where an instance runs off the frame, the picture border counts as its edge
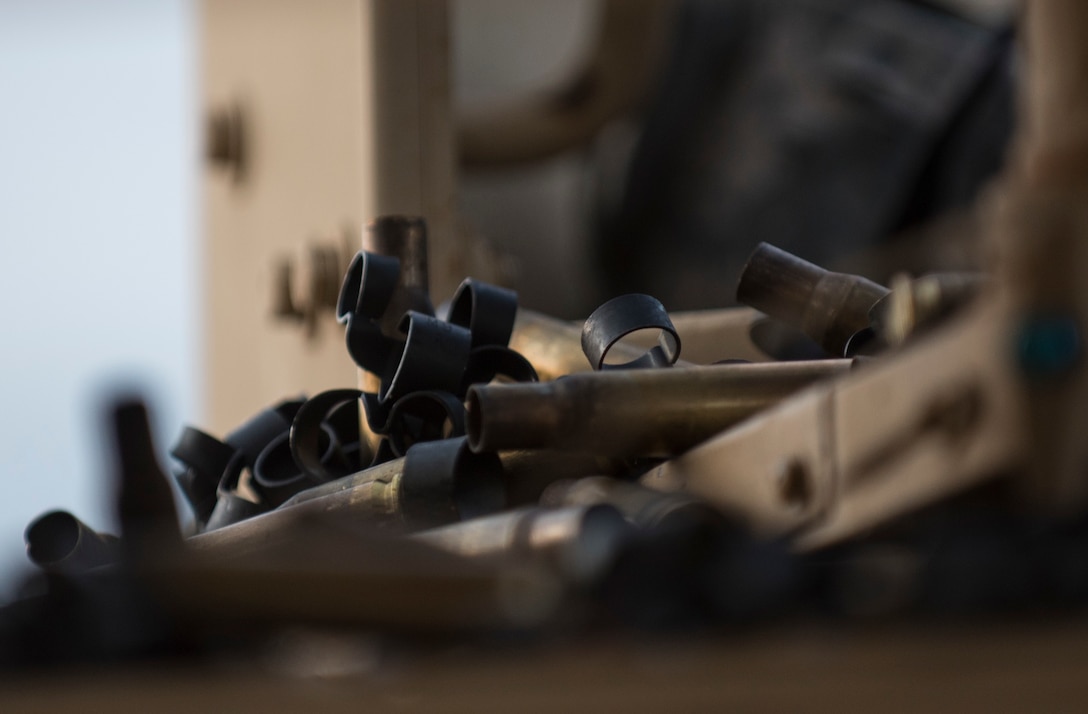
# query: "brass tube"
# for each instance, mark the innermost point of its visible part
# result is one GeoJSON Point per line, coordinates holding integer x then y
{"type": "Point", "coordinates": [377, 486]}
{"type": "Point", "coordinates": [709, 336]}
{"type": "Point", "coordinates": [641, 412]}
{"type": "Point", "coordinates": [435, 484]}
{"type": "Point", "coordinates": [578, 542]}
{"type": "Point", "coordinates": [828, 307]}
{"type": "Point", "coordinates": [552, 346]}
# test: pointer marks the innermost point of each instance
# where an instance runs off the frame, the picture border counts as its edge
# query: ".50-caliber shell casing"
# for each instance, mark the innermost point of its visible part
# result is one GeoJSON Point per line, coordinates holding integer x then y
{"type": "Point", "coordinates": [828, 307]}
{"type": "Point", "coordinates": [438, 482]}
{"type": "Point", "coordinates": [638, 412]}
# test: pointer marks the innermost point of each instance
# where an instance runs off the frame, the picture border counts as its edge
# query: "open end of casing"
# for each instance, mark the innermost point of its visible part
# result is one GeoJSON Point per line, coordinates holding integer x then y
{"type": "Point", "coordinates": [52, 538]}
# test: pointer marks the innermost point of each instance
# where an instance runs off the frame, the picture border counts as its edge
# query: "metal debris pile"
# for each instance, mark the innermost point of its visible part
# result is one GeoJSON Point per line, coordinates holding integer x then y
{"type": "Point", "coordinates": [474, 499]}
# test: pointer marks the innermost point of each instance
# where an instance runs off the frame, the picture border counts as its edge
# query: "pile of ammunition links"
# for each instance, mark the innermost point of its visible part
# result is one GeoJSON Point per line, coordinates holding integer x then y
{"type": "Point", "coordinates": [486, 479]}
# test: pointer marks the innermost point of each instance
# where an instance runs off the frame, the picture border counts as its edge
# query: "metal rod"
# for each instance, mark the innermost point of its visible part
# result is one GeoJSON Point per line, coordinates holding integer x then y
{"type": "Point", "coordinates": [647, 412]}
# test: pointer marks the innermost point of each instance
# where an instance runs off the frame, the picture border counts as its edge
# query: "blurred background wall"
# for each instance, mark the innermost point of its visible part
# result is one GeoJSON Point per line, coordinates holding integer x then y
{"type": "Point", "coordinates": [537, 216]}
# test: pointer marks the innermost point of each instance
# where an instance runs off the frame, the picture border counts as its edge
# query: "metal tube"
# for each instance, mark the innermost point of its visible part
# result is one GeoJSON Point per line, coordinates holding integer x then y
{"type": "Point", "coordinates": [58, 542]}
{"type": "Point", "coordinates": [580, 542]}
{"type": "Point", "coordinates": [828, 307]}
{"type": "Point", "coordinates": [377, 483]}
{"type": "Point", "coordinates": [647, 412]}
{"type": "Point", "coordinates": [436, 483]}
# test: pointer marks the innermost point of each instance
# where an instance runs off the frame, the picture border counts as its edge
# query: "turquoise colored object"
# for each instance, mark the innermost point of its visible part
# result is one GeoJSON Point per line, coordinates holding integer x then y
{"type": "Point", "coordinates": [1048, 346]}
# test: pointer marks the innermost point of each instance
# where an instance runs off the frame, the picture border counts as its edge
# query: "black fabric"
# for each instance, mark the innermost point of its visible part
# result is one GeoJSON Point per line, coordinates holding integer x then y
{"type": "Point", "coordinates": [820, 126]}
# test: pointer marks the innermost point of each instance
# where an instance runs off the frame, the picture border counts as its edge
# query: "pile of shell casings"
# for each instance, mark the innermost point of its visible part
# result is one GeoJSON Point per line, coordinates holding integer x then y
{"type": "Point", "coordinates": [485, 477]}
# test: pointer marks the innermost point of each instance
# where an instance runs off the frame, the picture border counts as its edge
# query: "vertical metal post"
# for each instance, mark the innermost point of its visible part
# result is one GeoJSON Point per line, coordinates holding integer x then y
{"type": "Point", "coordinates": [1054, 103]}
{"type": "Point", "coordinates": [1040, 229]}
{"type": "Point", "coordinates": [408, 153]}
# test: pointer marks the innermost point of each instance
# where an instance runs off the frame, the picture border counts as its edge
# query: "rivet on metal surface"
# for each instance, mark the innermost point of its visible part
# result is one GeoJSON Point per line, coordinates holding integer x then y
{"type": "Point", "coordinates": [794, 484]}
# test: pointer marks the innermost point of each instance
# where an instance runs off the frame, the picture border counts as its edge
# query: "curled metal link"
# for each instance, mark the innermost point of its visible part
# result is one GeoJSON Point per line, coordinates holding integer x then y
{"type": "Point", "coordinates": [277, 476]}
{"type": "Point", "coordinates": [230, 506]}
{"type": "Point", "coordinates": [491, 361]}
{"type": "Point", "coordinates": [354, 453]}
{"type": "Point", "coordinates": [426, 364]}
{"type": "Point", "coordinates": [366, 294]}
{"type": "Point", "coordinates": [424, 416]}
{"type": "Point", "coordinates": [621, 316]}
{"type": "Point", "coordinates": [472, 481]}
{"type": "Point", "coordinates": [486, 310]}
{"type": "Point", "coordinates": [308, 431]}
{"type": "Point", "coordinates": [253, 436]}
{"type": "Point", "coordinates": [433, 357]}
{"type": "Point", "coordinates": [212, 468]}
{"type": "Point", "coordinates": [205, 459]}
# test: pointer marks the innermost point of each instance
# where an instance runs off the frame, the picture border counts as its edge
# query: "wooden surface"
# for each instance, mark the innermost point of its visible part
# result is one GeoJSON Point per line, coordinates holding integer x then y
{"type": "Point", "coordinates": [1037, 667]}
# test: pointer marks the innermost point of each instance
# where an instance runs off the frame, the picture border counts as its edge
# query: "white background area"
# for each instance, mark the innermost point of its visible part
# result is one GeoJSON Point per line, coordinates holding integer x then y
{"type": "Point", "coordinates": [98, 225]}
